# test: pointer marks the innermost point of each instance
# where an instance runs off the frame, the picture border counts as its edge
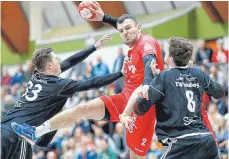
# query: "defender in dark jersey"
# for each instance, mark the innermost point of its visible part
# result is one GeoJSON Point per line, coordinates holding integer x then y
{"type": "Point", "coordinates": [45, 96]}
{"type": "Point", "coordinates": [177, 94]}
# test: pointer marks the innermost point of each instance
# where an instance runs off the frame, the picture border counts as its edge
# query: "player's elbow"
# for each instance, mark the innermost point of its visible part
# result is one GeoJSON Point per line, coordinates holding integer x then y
{"type": "Point", "coordinates": [220, 92]}
{"type": "Point", "coordinates": [141, 106]}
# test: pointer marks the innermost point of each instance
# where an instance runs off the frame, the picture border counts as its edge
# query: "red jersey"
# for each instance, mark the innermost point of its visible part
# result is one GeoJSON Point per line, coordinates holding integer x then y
{"type": "Point", "coordinates": [138, 138]}
{"type": "Point", "coordinates": [145, 45]}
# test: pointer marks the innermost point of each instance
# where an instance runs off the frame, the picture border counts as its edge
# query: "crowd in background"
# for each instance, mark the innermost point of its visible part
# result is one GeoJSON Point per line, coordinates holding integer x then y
{"type": "Point", "coordinates": [89, 139]}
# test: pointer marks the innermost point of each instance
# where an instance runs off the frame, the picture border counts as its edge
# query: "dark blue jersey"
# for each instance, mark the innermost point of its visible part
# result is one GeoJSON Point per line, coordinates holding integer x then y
{"type": "Point", "coordinates": [46, 95]}
{"type": "Point", "coordinates": [177, 94]}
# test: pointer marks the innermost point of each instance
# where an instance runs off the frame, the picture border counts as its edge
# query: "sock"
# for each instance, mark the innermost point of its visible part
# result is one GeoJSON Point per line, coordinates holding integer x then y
{"type": "Point", "coordinates": [43, 129]}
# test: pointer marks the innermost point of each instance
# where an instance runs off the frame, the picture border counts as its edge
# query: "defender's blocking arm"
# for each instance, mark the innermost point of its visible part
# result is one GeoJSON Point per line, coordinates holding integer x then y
{"type": "Point", "coordinates": [69, 87]}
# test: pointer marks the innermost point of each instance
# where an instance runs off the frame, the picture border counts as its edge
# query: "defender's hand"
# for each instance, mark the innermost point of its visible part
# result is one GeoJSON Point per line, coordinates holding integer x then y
{"type": "Point", "coordinates": [143, 92]}
{"type": "Point", "coordinates": [102, 41]}
{"type": "Point", "coordinates": [127, 121]}
{"type": "Point", "coordinates": [153, 66]}
{"type": "Point", "coordinates": [124, 66]}
{"type": "Point", "coordinates": [98, 12]}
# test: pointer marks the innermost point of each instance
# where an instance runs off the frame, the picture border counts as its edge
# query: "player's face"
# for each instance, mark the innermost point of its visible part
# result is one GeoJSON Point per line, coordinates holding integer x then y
{"type": "Point", "coordinates": [55, 65]}
{"type": "Point", "coordinates": [129, 32]}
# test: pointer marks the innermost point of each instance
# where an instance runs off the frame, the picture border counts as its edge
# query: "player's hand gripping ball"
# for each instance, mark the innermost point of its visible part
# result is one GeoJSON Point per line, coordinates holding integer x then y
{"type": "Point", "coordinates": [84, 10]}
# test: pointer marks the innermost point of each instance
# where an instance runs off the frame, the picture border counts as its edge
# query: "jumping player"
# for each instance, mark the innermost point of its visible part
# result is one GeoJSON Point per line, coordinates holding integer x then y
{"type": "Point", "coordinates": [143, 49]}
{"type": "Point", "coordinates": [45, 96]}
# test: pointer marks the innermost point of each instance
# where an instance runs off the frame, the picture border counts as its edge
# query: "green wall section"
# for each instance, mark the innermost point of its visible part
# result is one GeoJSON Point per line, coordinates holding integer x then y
{"type": "Point", "coordinates": [65, 46]}
{"type": "Point", "coordinates": [206, 29]}
{"type": "Point", "coordinates": [194, 25]}
{"type": "Point", "coordinates": [10, 58]}
{"type": "Point", "coordinates": [175, 27]}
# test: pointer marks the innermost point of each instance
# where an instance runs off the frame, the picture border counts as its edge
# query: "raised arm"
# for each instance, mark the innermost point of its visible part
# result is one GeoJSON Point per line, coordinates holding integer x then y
{"type": "Point", "coordinates": [100, 16]}
{"type": "Point", "coordinates": [110, 20]}
{"type": "Point", "coordinates": [76, 58]}
{"type": "Point", "coordinates": [67, 87]}
{"type": "Point", "coordinates": [70, 87]}
{"type": "Point", "coordinates": [81, 55]}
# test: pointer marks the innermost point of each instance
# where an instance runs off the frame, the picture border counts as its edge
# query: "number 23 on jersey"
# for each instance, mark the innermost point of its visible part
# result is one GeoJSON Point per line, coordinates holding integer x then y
{"type": "Point", "coordinates": [35, 89]}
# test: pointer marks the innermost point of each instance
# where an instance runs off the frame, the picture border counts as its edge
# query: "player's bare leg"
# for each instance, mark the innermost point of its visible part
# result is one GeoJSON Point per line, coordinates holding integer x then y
{"type": "Point", "coordinates": [93, 109]}
{"type": "Point", "coordinates": [135, 156]}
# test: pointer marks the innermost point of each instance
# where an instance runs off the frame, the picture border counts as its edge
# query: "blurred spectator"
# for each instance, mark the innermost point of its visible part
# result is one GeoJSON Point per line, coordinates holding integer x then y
{"type": "Point", "coordinates": [85, 125]}
{"type": "Point", "coordinates": [116, 68]}
{"type": "Point", "coordinates": [18, 77]}
{"type": "Point", "coordinates": [99, 134]}
{"type": "Point", "coordinates": [220, 55]}
{"type": "Point", "coordinates": [119, 138]}
{"type": "Point", "coordinates": [86, 151]}
{"type": "Point", "coordinates": [64, 135]}
{"type": "Point", "coordinates": [214, 116]}
{"type": "Point", "coordinates": [100, 68]}
{"type": "Point", "coordinates": [204, 68]}
{"type": "Point", "coordinates": [29, 71]}
{"type": "Point", "coordinates": [106, 151]}
{"type": "Point", "coordinates": [70, 153]}
{"type": "Point", "coordinates": [14, 92]}
{"type": "Point", "coordinates": [3, 94]}
{"type": "Point", "coordinates": [83, 97]}
{"type": "Point", "coordinates": [88, 71]}
{"type": "Point", "coordinates": [222, 136]}
{"type": "Point", "coordinates": [217, 75]}
{"type": "Point", "coordinates": [51, 155]}
{"type": "Point", "coordinates": [6, 78]}
{"type": "Point", "coordinates": [78, 135]}
{"type": "Point", "coordinates": [203, 54]}
{"type": "Point", "coordinates": [9, 103]}
{"type": "Point", "coordinates": [78, 71]}
{"type": "Point", "coordinates": [108, 127]}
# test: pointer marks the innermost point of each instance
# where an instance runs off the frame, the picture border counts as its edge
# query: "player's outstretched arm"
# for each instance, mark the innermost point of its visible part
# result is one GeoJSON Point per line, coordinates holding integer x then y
{"type": "Point", "coordinates": [67, 87]}
{"type": "Point", "coordinates": [213, 88]}
{"type": "Point", "coordinates": [70, 87]}
{"type": "Point", "coordinates": [81, 55]}
{"type": "Point", "coordinates": [100, 16]}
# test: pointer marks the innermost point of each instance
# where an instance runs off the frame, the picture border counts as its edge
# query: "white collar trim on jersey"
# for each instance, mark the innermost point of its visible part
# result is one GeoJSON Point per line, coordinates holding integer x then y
{"type": "Point", "coordinates": [183, 67]}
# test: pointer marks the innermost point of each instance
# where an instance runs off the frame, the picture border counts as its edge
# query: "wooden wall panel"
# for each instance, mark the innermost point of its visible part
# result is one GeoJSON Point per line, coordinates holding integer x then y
{"type": "Point", "coordinates": [217, 10]}
{"type": "Point", "coordinates": [114, 8]}
{"type": "Point", "coordinates": [222, 8]}
{"type": "Point", "coordinates": [15, 27]}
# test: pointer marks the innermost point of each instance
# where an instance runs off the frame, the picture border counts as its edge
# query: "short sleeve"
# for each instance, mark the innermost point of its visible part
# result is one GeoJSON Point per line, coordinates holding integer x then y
{"type": "Point", "coordinates": [148, 46]}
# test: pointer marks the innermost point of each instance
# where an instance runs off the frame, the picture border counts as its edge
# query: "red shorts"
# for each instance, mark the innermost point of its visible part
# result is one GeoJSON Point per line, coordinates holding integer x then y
{"type": "Point", "coordinates": [138, 138]}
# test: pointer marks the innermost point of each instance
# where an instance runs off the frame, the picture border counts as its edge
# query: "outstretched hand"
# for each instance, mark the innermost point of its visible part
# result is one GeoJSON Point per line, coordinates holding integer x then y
{"type": "Point", "coordinates": [124, 65]}
{"type": "Point", "coordinates": [153, 66]}
{"type": "Point", "coordinates": [128, 122]}
{"type": "Point", "coordinates": [98, 12]}
{"type": "Point", "coordinates": [102, 41]}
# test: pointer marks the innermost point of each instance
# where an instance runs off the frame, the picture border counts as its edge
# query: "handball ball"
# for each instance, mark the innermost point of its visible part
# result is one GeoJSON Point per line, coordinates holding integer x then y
{"type": "Point", "coordinates": [84, 10]}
